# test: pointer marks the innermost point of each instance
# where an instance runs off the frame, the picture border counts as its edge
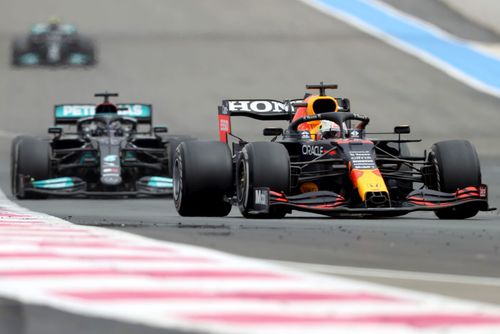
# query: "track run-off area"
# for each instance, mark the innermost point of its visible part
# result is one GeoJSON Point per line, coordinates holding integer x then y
{"type": "Point", "coordinates": [105, 273]}
{"type": "Point", "coordinates": [140, 266]}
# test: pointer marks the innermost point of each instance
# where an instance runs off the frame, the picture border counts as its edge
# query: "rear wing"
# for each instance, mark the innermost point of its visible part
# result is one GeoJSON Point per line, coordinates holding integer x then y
{"type": "Point", "coordinates": [266, 110]}
{"type": "Point", "coordinates": [261, 109]}
{"type": "Point", "coordinates": [70, 113]}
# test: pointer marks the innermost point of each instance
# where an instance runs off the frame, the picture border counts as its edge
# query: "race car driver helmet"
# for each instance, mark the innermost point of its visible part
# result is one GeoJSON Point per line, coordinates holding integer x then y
{"type": "Point", "coordinates": [328, 130]}
{"type": "Point", "coordinates": [54, 23]}
{"type": "Point", "coordinates": [316, 104]}
{"type": "Point", "coordinates": [106, 108]}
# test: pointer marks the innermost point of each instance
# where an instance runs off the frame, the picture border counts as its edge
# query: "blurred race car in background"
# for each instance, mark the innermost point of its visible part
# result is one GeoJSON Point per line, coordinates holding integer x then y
{"type": "Point", "coordinates": [108, 149]}
{"type": "Point", "coordinates": [336, 171]}
{"type": "Point", "coordinates": [53, 44]}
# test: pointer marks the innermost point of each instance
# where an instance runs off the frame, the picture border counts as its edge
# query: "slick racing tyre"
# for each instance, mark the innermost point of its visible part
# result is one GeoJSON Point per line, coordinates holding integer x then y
{"type": "Point", "coordinates": [20, 46]}
{"type": "Point", "coordinates": [86, 46]}
{"type": "Point", "coordinates": [262, 164]}
{"type": "Point", "coordinates": [203, 176]}
{"type": "Point", "coordinates": [13, 163]}
{"type": "Point", "coordinates": [29, 157]}
{"type": "Point", "coordinates": [457, 166]}
{"type": "Point", "coordinates": [172, 144]}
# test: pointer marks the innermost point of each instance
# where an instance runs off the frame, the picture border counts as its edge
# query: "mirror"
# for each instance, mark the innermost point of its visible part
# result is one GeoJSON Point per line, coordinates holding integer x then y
{"type": "Point", "coordinates": [55, 130]}
{"type": "Point", "coordinates": [272, 131]}
{"type": "Point", "coordinates": [160, 129]}
{"type": "Point", "coordinates": [402, 129]}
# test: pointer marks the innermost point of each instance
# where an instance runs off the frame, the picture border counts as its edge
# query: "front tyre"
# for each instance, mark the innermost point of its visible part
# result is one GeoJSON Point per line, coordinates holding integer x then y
{"type": "Point", "coordinates": [171, 147]}
{"type": "Point", "coordinates": [203, 177]}
{"type": "Point", "coordinates": [30, 157]}
{"type": "Point", "coordinates": [87, 47]}
{"type": "Point", "coordinates": [20, 46]}
{"type": "Point", "coordinates": [457, 166]}
{"type": "Point", "coordinates": [262, 164]}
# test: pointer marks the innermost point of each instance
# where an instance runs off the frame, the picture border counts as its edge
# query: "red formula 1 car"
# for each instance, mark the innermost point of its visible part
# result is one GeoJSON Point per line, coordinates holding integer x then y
{"type": "Point", "coordinates": [330, 168]}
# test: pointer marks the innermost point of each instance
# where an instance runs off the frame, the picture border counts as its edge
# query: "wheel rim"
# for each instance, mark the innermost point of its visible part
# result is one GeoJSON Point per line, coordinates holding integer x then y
{"type": "Point", "coordinates": [243, 184]}
{"type": "Point", "coordinates": [14, 174]}
{"type": "Point", "coordinates": [177, 182]}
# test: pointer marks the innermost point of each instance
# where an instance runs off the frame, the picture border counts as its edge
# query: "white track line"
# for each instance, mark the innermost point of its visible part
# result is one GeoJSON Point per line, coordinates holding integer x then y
{"type": "Point", "coordinates": [393, 274]}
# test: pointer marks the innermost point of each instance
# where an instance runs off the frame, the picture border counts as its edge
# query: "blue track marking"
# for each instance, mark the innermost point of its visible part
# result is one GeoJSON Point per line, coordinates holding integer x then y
{"type": "Point", "coordinates": [436, 47]}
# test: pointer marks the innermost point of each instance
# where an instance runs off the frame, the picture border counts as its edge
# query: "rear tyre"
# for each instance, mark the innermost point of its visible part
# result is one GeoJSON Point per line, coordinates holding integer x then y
{"type": "Point", "coordinates": [457, 166]}
{"type": "Point", "coordinates": [203, 176]}
{"type": "Point", "coordinates": [29, 157]}
{"type": "Point", "coordinates": [262, 164]}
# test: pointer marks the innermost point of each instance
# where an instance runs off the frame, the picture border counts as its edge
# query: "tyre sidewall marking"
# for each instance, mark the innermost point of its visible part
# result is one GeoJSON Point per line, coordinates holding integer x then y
{"type": "Point", "coordinates": [14, 172]}
{"type": "Point", "coordinates": [178, 177]}
{"type": "Point", "coordinates": [243, 201]}
{"type": "Point", "coordinates": [435, 162]}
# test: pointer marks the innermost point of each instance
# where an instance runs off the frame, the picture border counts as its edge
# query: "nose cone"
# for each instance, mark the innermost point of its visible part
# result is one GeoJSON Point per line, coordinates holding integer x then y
{"type": "Point", "coordinates": [54, 54]}
{"type": "Point", "coordinates": [111, 179]}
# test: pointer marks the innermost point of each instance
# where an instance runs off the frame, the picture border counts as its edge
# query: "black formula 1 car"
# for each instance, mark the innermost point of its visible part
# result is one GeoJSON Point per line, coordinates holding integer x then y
{"type": "Point", "coordinates": [341, 172]}
{"type": "Point", "coordinates": [98, 150]}
{"type": "Point", "coordinates": [53, 44]}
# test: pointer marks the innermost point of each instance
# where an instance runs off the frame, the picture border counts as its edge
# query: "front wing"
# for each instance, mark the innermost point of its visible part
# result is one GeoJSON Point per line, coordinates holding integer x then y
{"type": "Point", "coordinates": [34, 59]}
{"type": "Point", "coordinates": [333, 204]}
{"type": "Point", "coordinates": [74, 186]}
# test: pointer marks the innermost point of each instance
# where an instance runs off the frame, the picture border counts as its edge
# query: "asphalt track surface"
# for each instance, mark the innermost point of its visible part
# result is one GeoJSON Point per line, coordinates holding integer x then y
{"type": "Point", "coordinates": [184, 57]}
